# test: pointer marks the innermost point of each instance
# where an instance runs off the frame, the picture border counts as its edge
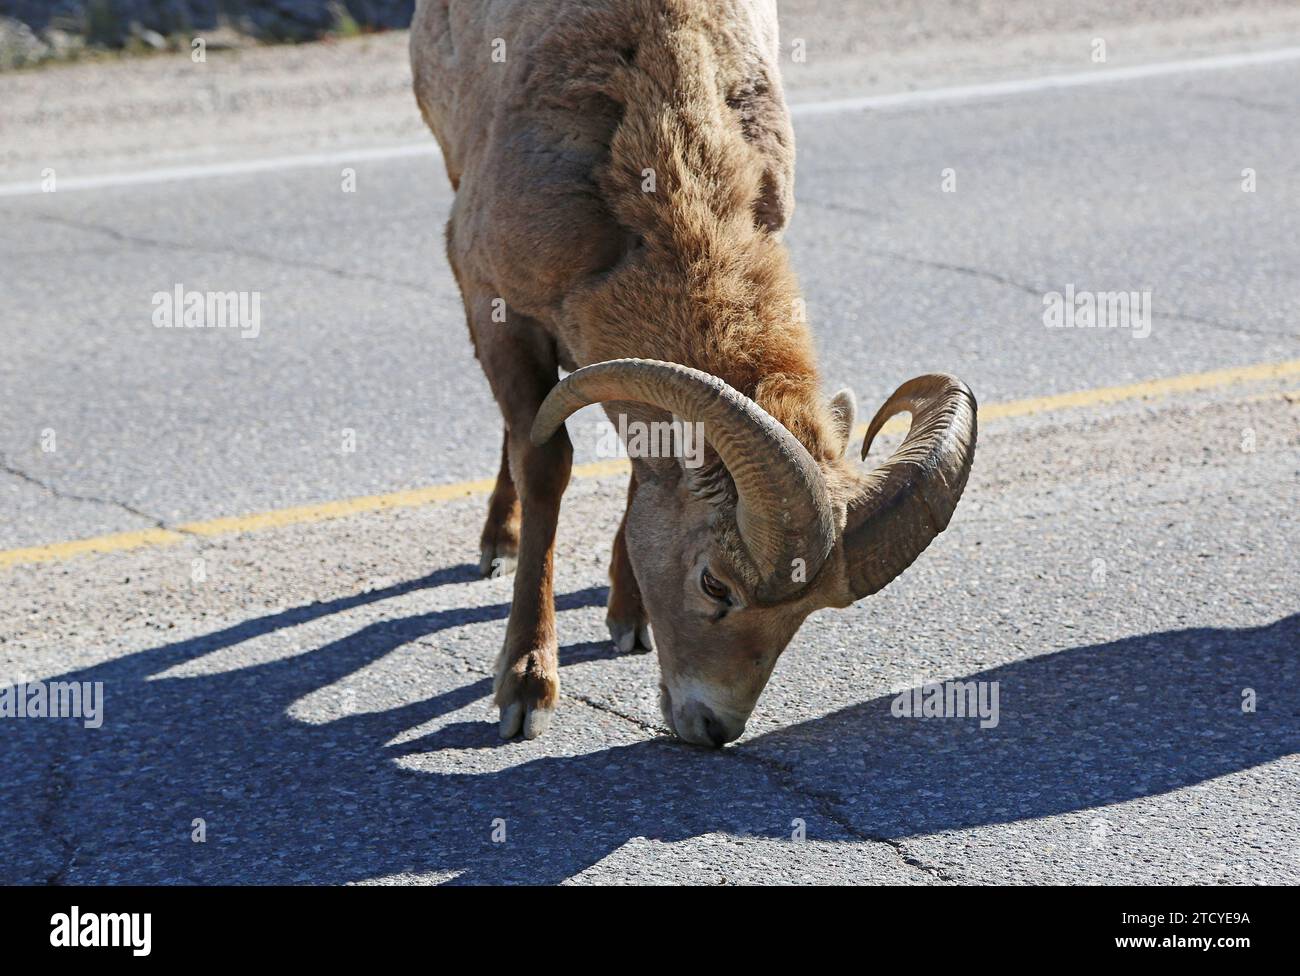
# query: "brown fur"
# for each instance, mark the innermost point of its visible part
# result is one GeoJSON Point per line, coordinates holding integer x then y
{"type": "Point", "coordinates": [547, 152]}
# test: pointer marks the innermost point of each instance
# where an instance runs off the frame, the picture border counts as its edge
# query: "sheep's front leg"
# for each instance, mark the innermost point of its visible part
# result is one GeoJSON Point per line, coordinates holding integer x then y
{"type": "Point", "coordinates": [527, 677]}
{"type": "Point", "coordinates": [629, 627]}
{"type": "Point", "coordinates": [519, 359]}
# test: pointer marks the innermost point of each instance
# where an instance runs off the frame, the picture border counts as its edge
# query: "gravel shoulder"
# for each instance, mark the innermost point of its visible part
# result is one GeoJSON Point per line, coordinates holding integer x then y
{"type": "Point", "coordinates": [165, 110]}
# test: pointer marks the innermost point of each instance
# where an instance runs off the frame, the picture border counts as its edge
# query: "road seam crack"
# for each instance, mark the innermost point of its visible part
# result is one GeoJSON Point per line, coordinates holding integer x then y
{"type": "Point", "coordinates": [9, 468]}
{"type": "Point", "coordinates": [57, 785]}
{"type": "Point", "coordinates": [823, 802]}
{"type": "Point", "coordinates": [826, 803]}
{"type": "Point", "coordinates": [1001, 279]}
{"type": "Point", "coordinates": [120, 237]}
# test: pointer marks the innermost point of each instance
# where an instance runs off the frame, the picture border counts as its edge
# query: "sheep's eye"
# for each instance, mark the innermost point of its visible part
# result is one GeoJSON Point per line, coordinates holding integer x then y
{"type": "Point", "coordinates": [712, 588]}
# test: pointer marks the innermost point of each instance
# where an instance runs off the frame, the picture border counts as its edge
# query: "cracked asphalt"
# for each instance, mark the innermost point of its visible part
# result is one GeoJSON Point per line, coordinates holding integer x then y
{"type": "Point", "coordinates": [315, 698]}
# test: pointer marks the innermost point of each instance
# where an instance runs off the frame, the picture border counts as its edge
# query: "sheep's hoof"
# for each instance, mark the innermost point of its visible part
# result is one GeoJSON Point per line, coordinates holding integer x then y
{"type": "Point", "coordinates": [527, 689]}
{"type": "Point", "coordinates": [497, 560]}
{"type": "Point", "coordinates": [630, 636]}
{"type": "Point", "coordinates": [516, 718]}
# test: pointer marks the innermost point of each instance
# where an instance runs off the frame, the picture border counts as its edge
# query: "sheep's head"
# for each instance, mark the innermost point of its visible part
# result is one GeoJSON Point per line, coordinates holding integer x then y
{"type": "Point", "coordinates": [733, 552]}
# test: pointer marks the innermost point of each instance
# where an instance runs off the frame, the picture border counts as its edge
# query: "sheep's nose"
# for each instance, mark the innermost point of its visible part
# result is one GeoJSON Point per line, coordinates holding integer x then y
{"type": "Point", "coordinates": [714, 730]}
{"type": "Point", "coordinates": [697, 723]}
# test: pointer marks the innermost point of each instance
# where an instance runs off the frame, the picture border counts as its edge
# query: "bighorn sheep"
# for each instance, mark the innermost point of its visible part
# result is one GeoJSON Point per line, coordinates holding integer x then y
{"type": "Point", "coordinates": [623, 169]}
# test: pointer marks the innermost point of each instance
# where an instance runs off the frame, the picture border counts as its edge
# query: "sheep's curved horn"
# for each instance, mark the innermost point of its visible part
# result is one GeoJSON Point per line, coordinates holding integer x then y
{"type": "Point", "coordinates": [783, 509]}
{"type": "Point", "coordinates": [907, 501]}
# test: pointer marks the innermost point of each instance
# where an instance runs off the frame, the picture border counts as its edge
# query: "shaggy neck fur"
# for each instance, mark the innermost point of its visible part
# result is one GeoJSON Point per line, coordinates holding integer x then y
{"type": "Point", "coordinates": [702, 282]}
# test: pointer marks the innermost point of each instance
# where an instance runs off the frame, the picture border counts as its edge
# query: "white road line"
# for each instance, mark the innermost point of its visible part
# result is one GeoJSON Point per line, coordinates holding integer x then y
{"type": "Point", "coordinates": [176, 174]}
{"type": "Point", "coordinates": [894, 101]}
{"type": "Point", "coordinates": [1025, 86]}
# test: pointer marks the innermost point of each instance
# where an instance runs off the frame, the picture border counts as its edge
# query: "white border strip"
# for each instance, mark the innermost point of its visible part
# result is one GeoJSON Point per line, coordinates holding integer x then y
{"type": "Point", "coordinates": [177, 174]}
{"type": "Point", "coordinates": [897, 100]}
{"type": "Point", "coordinates": [1024, 86]}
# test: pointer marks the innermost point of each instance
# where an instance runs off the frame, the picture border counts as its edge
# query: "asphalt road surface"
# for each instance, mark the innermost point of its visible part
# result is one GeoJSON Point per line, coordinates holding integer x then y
{"type": "Point", "coordinates": [309, 689]}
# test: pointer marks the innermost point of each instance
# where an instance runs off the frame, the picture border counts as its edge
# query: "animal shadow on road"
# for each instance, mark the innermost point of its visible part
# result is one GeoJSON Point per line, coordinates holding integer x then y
{"type": "Point", "coordinates": [283, 801]}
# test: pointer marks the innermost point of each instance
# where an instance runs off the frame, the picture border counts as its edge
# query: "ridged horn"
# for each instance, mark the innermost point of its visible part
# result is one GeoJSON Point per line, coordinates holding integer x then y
{"type": "Point", "coordinates": [783, 510]}
{"type": "Point", "coordinates": [907, 501]}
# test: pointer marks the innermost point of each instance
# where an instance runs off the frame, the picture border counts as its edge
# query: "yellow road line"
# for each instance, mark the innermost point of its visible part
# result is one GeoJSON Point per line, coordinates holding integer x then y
{"type": "Point", "coordinates": [120, 541]}
{"type": "Point", "coordinates": [1149, 389]}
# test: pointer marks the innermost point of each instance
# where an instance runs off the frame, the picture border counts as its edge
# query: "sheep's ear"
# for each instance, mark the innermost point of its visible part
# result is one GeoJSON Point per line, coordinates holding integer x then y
{"type": "Point", "coordinates": [844, 410]}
